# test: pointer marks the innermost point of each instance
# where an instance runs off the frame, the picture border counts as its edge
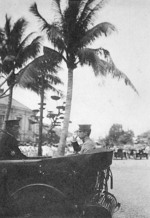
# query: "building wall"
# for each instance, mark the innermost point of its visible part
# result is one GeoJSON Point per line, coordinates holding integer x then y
{"type": "Point", "coordinates": [27, 130]}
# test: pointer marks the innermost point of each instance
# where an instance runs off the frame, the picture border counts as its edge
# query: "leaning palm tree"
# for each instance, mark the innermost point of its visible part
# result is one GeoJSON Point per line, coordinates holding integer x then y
{"type": "Point", "coordinates": [41, 75]}
{"type": "Point", "coordinates": [72, 34]}
{"type": "Point", "coordinates": [15, 51]}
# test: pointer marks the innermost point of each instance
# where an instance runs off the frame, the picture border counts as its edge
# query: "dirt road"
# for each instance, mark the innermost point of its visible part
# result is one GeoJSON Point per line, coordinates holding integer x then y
{"type": "Point", "coordinates": [132, 187]}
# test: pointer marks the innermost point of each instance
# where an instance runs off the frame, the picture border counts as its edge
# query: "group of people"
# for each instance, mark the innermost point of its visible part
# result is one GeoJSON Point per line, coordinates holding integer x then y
{"type": "Point", "coordinates": [9, 145]}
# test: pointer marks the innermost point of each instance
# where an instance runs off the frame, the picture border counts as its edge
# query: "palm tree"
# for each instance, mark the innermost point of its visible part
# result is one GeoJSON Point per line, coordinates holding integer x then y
{"type": "Point", "coordinates": [41, 75]}
{"type": "Point", "coordinates": [71, 34]}
{"type": "Point", "coordinates": [15, 51]}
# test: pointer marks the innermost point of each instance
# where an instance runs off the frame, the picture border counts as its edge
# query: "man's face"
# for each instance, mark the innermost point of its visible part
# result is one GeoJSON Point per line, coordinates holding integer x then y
{"type": "Point", "coordinates": [82, 134]}
{"type": "Point", "coordinates": [14, 130]}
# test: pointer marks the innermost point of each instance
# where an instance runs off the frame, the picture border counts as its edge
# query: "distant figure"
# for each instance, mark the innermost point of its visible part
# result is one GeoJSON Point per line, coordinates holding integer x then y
{"type": "Point", "coordinates": [87, 144]}
{"type": "Point", "coordinates": [8, 144]}
{"type": "Point", "coordinates": [147, 149]}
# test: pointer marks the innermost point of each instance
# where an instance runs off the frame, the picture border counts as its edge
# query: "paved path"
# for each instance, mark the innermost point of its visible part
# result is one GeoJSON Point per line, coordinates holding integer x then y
{"type": "Point", "coordinates": [132, 187]}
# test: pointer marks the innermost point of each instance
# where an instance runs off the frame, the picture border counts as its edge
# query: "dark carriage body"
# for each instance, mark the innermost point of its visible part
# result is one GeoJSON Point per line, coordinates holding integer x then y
{"type": "Point", "coordinates": [141, 154]}
{"type": "Point", "coordinates": [132, 153]}
{"type": "Point", "coordinates": [138, 153]}
{"type": "Point", "coordinates": [120, 153]}
{"type": "Point", "coordinates": [40, 184]}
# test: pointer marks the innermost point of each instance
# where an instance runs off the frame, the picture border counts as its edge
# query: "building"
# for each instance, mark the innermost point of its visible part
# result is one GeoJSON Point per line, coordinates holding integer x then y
{"type": "Point", "coordinates": [28, 127]}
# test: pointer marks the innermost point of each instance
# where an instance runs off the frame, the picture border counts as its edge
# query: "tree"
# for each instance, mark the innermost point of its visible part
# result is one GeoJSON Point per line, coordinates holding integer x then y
{"type": "Point", "coordinates": [41, 75]}
{"type": "Point", "coordinates": [126, 137]}
{"type": "Point", "coordinates": [115, 132]}
{"type": "Point", "coordinates": [71, 34]}
{"type": "Point", "coordinates": [53, 137]}
{"type": "Point", "coordinates": [118, 136]}
{"type": "Point", "coordinates": [15, 51]}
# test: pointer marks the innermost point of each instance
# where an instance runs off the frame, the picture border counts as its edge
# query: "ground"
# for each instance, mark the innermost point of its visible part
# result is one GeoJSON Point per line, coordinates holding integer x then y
{"type": "Point", "coordinates": [132, 187]}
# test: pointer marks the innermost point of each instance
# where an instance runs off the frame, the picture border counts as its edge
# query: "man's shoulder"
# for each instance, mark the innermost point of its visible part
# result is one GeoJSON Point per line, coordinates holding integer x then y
{"type": "Point", "coordinates": [90, 142]}
{"type": "Point", "coordinates": [6, 134]}
{"type": "Point", "coordinates": [6, 137]}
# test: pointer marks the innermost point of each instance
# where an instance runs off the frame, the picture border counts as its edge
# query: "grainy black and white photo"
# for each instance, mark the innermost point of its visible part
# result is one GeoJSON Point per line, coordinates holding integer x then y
{"type": "Point", "coordinates": [74, 109]}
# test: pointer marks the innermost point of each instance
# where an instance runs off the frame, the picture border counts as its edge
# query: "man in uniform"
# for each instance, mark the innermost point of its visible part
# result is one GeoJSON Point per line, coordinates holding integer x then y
{"type": "Point", "coordinates": [84, 134]}
{"type": "Point", "coordinates": [8, 144]}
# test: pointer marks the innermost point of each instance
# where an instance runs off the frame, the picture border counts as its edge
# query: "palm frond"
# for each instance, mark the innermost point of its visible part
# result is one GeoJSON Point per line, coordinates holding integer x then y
{"type": "Point", "coordinates": [7, 27]}
{"type": "Point", "coordinates": [49, 86]}
{"type": "Point", "coordinates": [76, 30]}
{"type": "Point", "coordinates": [90, 57]}
{"type": "Point", "coordinates": [42, 67]}
{"type": "Point", "coordinates": [71, 15]}
{"type": "Point", "coordinates": [34, 86]}
{"type": "Point", "coordinates": [81, 8]}
{"type": "Point", "coordinates": [39, 66]}
{"type": "Point", "coordinates": [55, 35]}
{"type": "Point", "coordinates": [54, 54]}
{"type": "Point", "coordinates": [74, 7]}
{"type": "Point", "coordinates": [93, 33]}
{"type": "Point", "coordinates": [34, 10]}
{"type": "Point", "coordinates": [17, 32]}
{"type": "Point", "coordinates": [57, 10]}
{"type": "Point", "coordinates": [1, 70]}
{"type": "Point", "coordinates": [52, 30]}
{"type": "Point", "coordinates": [25, 41]}
{"type": "Point", "coordinates": [101, 66]}
{"type": "Point", "coordinates": [2, 35]}
{"type": "Point", "coordinates": [52, 78]}
{"type": "Point", "coordinates": [84, 10]}
{"type": "Point", "coordinates": [90, 9]}
{"type": "Point", "coordinates": [30, 51]}
{"type": "Point", "coordinates": [116, 73]}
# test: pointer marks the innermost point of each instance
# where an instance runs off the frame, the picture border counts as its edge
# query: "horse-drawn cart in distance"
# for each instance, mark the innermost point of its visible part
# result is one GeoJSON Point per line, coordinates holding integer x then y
{"type": "Point", "coordinates": [120, 152]}
{"type": "Point", "coordinates": [69, 186]}
{"type": "Point", "coordinates": [138, 151]}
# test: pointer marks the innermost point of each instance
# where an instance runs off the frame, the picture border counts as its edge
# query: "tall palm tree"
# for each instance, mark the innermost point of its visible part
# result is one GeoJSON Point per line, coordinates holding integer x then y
{"type": "Point", "coordinates": [41, 75]}
{"type": "Point", "coordinates": [15, 51]}
{"type": "Point", "coordinates": [71, 34]}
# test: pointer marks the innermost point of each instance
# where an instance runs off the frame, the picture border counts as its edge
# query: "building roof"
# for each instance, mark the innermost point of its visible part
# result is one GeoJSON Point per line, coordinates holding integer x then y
{"type": "Point", "coordinates": [15, 104]}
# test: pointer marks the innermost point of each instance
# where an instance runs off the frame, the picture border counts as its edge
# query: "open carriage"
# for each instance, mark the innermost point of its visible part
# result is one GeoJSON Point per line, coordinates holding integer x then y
{"type": "Point", "coordinates": [69, 186]}
{"type": "Point", "coordinates": [120, 153]}
{"type": "Point", "coordinates": [138, 152]}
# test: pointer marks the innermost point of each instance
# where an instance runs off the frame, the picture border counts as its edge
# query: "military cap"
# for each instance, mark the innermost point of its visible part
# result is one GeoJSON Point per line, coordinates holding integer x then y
{"type": "Point", "coordinates": [84, 127]}
{"type": "Point", "coordinates": [11, 123]}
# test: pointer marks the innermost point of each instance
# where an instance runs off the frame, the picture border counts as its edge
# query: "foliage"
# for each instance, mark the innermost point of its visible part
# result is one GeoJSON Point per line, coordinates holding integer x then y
{"type": "Point", "coordinates": [72, 34]}
{"type": "Point", "coordinates": [53, 137]}
{"type": "Point", "coordinates": [40, 75]}
{"type": "Point", "coordinates": [45, 66]}
{"type": "Point", "coordinates": [117, 136]}
{"type": "Point", "coordinates": [115, 132]}
{"type": "Point", "coordinates": [127, 137]}
{"type": "Point", "coordinates": [16, 50]}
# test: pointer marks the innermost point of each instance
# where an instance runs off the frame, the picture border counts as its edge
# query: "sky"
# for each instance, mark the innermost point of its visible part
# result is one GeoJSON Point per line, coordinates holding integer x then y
{"type": "Point", "coordinates": [101, 101]}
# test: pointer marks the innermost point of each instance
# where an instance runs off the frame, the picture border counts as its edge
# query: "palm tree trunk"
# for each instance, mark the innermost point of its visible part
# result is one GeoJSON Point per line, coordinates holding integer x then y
{"type": "Point", "coordinates": [6, 79]}
{"type": "Point", "coordinates": [64, 133]}
{"type": "Point", "coordinates": [7, 113]}
{"type": "Point", "coordinates": [41, 119]}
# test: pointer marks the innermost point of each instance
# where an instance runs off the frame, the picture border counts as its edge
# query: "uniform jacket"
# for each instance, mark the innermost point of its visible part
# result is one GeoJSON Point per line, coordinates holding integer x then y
{"type": "Point", "coordinates": [87, 145]}
{"type": "Point", "coordinates": [9, 148]}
